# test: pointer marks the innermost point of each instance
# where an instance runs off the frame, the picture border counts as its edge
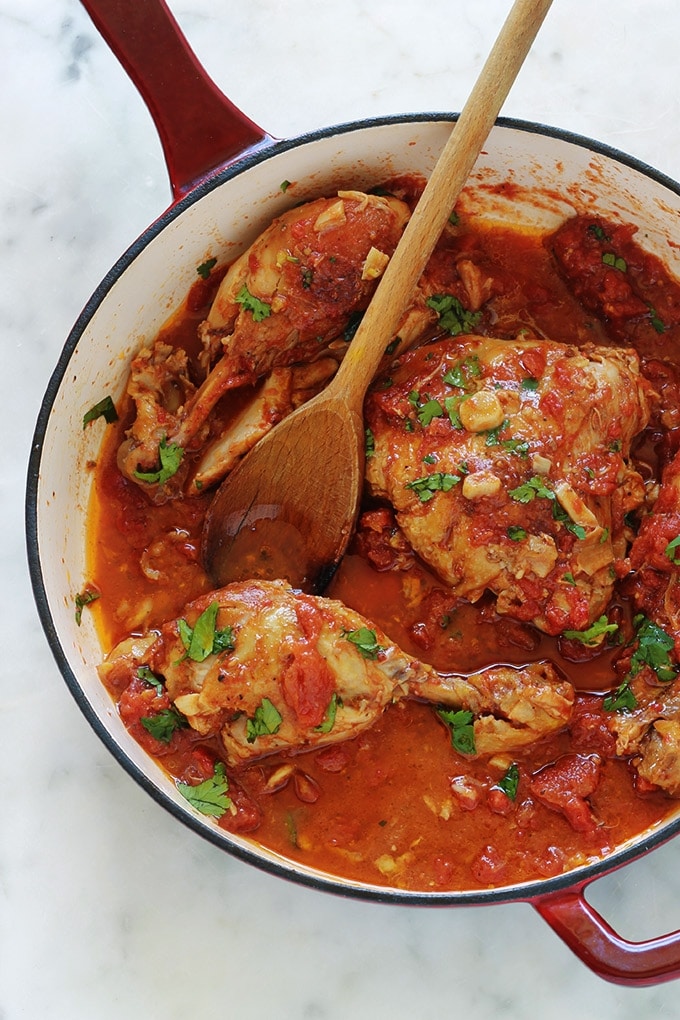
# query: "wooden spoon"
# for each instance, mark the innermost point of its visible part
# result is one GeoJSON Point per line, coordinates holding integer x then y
{"type": "Point", "coordinates": [289, 507]}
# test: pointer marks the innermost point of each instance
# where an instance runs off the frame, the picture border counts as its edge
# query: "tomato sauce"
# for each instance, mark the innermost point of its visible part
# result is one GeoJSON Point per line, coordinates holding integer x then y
{"type": "Point", "coordinates": [398, 806]}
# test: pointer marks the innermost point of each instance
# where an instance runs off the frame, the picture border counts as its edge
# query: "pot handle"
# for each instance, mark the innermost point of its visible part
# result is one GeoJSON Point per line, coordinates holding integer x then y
{"type": "Point", "coordinates": [601, 949]}
{"type": "Point", "coordinates": [199, 128]}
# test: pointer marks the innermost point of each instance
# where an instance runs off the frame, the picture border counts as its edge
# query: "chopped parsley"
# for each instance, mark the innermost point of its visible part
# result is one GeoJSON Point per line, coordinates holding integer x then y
{"type": "Point", "coordinates": [145, 674]}
{"type": "Point", "coordinates": [169, 457]}
{"type": "Point", "coordinates": [509, 782]}
{"type": "Point", "coordinates": [259, 309]}
{"type": "Point", "coordinates": [530, 384]}
{"type": "Point", "coordinates": [365, 640]}
{"type": "Point", "coordinates": [452, 316]}
{"type": "Point", "coordinates": [595, 634]}
{"type": "Point", "coordinates": [329, 718]}
{"type": "Point", "coordinates": [206, 268]}
{"type": "Point", "coordinates": [598, 232]}
{"type": "Point", "coordinates": [438, 481]}
{"type": "Point", "coordinates": [429, 410]}
{"type": "Point", "coordinates": [615, 261]}
{"type": "Point", "coordinates": [266, 721]}
{"type": "Point", "coordinates": [369, 445]}
{"type": "Point", "coordinates": [516, 534]}
{"type": "Point", "coordinates": [621, 700]}
{"type": "Point", "coordinates": [530, 490]}
{"type": "Point", "coordinates": [671, 548]}
{"type": "Point", "coordinates": [657, 322]}
{"type": "Point", "coordinates": [104, 409]}
{"type": "Point", "coordinates": [82, 599]}
{"type": "Point", "coordinates": [284, 186]}
{"type": "Point", "coordinates": [654, 644]}
{"type": "Point", "coordinates": [163, 724]}
{"type": "Point", "coordinates": [210, 797]}
{"type": "Point", "coordinates": [460, 726]}
{"type": "Point", "coordinates": [204, 639]}
{"type": "Point", "coordinates": [460, 375]}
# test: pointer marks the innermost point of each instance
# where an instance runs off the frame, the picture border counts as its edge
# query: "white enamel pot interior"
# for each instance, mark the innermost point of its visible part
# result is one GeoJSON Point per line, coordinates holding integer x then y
{"type": "Point", "coordinates": [547, 175]}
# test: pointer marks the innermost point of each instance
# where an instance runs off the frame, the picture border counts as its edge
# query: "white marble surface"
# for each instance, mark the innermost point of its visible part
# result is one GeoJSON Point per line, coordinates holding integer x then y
{"type": "Point", "coordinates": [109, 908]}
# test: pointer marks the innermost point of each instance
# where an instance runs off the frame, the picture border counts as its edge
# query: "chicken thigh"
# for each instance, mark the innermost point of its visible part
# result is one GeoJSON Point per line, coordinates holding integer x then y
{"type": "Point", "coordinates": [507, 465]}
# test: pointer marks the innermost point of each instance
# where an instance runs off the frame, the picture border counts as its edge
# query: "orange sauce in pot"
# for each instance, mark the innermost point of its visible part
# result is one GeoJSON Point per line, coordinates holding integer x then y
{"type": "Point", "coordinates": [397, 806]}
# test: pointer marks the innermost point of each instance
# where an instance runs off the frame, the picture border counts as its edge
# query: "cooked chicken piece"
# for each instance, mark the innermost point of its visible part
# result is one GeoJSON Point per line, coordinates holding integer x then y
{"type": "Point", "coordinates": [649, 733]}
{"type": "Point", "coordinates": [272, 669]}
{"type": "Point", "coordinates": [281, 392]}
{"type": "Point", "coordinates": [513, 707]}
{"type": "Point", "coordinates": [507, 465]}
{"type": "Point", "coordinates": [296, 289]}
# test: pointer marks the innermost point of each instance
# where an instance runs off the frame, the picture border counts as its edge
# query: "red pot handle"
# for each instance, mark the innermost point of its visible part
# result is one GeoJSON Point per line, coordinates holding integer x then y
{"type": "Point", "coordinates": [199, 128]}
{"type": "Point", "coordinates": [601, 949]}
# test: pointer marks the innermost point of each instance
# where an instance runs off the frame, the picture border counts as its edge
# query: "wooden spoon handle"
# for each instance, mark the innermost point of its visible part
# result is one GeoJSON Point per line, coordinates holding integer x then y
{"type": "Point", "coordinates": [436, 203]}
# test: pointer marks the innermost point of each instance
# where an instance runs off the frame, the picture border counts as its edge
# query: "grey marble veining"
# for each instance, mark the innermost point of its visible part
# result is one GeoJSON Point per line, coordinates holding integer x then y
{"type": "Point", "coordinates": [109, 908]}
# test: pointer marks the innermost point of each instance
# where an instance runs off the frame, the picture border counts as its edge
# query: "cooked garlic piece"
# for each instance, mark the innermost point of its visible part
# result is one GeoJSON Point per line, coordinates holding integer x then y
{"type": "Point", "coordinates": [481, 411]}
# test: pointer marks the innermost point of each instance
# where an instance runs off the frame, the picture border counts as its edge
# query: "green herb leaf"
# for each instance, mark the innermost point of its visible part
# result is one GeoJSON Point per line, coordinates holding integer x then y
{"type": "Point", "coordinates": [438, 481]}
{"type": "Point", "coordinates": [205, 268]}
{"type": "Point", "coordinates": [163, 724]}
{"type": "Point", "coordinates": [84, 598]}
{"type": "Point", "coordinates": [259, 309]}
{"type": "Point", "coordinates": [615, 261]}
{"type": "Point", "coordinates": [369, 446]}
{"type": "Point", "coordinates": [530, 384]}
{"type": "Point", "coordinates": [621, 700]}
{"type": "Point", "coordinates": [211, 796]}
{"type": "Point", "coordinates": [365, 640]}
{"type": "Point", "coordinates": [284, 186]}
{"type": "Point", "coordinates": [266, 720]}
{"type": "Point", "coordinates": [516, 534]}
{"type": "Point", "coordinates": [170, 457]}
{"type": "Point", "coordinates": [509, 782]}
{"type": "Point", "coordinates": [452, 316]}
{"type": "Point", "coordinates": [657, 323]}
{"type": "Point", "coordinates": [104, 409]}
{"type": "Point", "coordinates": [329, 718]}
{"type": "Point", "coordinates": [429, 410]}
{"type": "Point", "coordinates": [145, 674]}
{"type": "Point", "coordinates": [530, 490]}
{"type": "Point", "coordinates": [595, 634]}
{"type": "Point", "coordinates": [459, 723]}
{"type": "Point", "coordinates": [463, 373]}
{"type": "Point", "coordinates": [654, 644]}
{"type": "Point", "coordinates": [598, 232]}
{"type": "Point", "coordinates": [203, 639]}
{"type": "Point", "coordinates": [670, 550]}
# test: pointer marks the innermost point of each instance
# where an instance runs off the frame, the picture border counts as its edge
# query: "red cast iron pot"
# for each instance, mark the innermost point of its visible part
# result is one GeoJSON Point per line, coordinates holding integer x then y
{"type": "Point", "coordinates": [226, 174]}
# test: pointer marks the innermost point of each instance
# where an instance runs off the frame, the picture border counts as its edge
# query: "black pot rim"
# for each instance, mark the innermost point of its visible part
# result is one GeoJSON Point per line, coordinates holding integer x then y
{"type": "Point", "coordinates": [531, 891]}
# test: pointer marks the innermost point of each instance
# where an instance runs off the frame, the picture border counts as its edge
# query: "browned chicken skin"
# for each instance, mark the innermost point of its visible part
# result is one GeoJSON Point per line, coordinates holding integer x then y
{"type": "Point", "coordinates": [289, 672]}
{"type": "Point", "coordinates": [507, 465]}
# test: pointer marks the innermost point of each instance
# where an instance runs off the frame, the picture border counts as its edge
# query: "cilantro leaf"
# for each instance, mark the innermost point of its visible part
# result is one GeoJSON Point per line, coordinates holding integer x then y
{"type": "Point", "coordinates": [654, 644]}
{"type": "Point", "coordinates": [670, 550]}
{"type": "Point", "coordinates": [82, 599]}
{"type": "Point", "coordinates": [205, 268]}
{"type": "Point", "coordinates": [615, 261]}
{"type": "Point", "coordinates": [621, 700]}
{"type": "Point", "coordinates": [595, 634]}
{"type": "Point", "coordinates": [365, 640]}
{"type": "Point", "coordinates": [530, 490]}
{"type": "Point", "coordinates": [461, 374]}
{"type": "Point", "coordinates": [163, 724]}
{"type": "Point", "coordinates": [369, 449]}
{"type": "Point", "coordinates": [170, 457]}
{"type": "Point", "coordinates": [509, 782]}
{"type": "Point", "coordinates": [259, 309]}
{"type": "Point", "coordinates": [453, 317]}
{"type": "Point", "coordinates": [211, 796]}
{"type": "Point", "coordinates": [515, 533]}
{"type": "Point", "coordinates": [145, 674]}
{"type": "Point", "coordinates": [329, 718]}
{"type": "Point", "coordinates": [438, 481]}
{"type": "Point", "coordinates": [203, 639]}
{"type": "Point", "coordinates": [266, 720]}
{"type": "Point", "coordinates": [104, 409]}
{"type": "Point", "coordinates": [460, 725]}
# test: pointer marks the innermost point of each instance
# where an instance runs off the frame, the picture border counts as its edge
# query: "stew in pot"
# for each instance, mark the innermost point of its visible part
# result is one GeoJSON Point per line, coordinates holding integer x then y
{"type": "Point", "coordinates": [489, 690]}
